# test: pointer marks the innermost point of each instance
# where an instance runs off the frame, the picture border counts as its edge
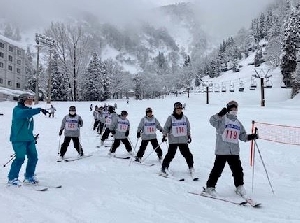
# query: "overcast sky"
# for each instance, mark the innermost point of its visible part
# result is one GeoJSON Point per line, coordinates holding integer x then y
{"type": "Point", "coordinates": [220, 17]}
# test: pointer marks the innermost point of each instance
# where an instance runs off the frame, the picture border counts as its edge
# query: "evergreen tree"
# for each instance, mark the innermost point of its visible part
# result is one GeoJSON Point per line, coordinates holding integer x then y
{"type": "Point", "coordinates": [30, 72]}
{"type": "Point", "coordinates": [91, 87]}
{"type": "Point", "coordinates": [290, 44]}
{"type": "Point", "coordinates": [59, 83]}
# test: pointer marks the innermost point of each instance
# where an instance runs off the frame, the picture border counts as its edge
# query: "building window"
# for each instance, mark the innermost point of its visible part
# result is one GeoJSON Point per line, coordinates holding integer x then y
{"type": "Point", "coordinates": [18, 85]}
{"type": "Point", "coordinates": [1, 64]}
{"type": "Point", "coordinates": [9, 83]}
{"type": "Point", "coordinates": [1, 81]}
{"type": "Point", "coordinates": [11, 49]}
{"type": "Point", "coordinates": [18, 70]}
{"type": "Point", "coordinates": [1, 45]}
{"type": "Point", "coordinates": [10, 58]}
{"type": "Point", "coordinates": [19, 62]}
{"type": "Point", "coordinates": [19, 52]}
{"type": "Point", "coordinates": [1, 54]}
{"type": "Point", "coordinates": [10, 67]}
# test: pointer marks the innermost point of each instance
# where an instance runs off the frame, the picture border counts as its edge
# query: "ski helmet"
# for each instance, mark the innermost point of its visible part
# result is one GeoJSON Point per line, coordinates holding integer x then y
{"type": "Point", "coordinates": [231, 104]}
{"type": "Point", "coordinates": [124, 113]}
{"type": "Point", "coordinates": [26, 96]}
{"type": "Point", "coordinates": [111, 109]}
{"type": "Point", "coordinates": [177, 105]}
{"type": "Point", "coordinates": [148, 110]}
{"type": "Point", "coordinates": [72, 108]}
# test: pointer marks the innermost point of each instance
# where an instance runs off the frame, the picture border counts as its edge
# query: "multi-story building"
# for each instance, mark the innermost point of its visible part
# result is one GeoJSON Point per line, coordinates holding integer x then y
{"type": "Point", "coordinates": [12, 64]}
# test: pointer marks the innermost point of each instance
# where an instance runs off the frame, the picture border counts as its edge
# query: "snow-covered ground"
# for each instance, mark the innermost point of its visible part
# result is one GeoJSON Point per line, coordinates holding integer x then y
{"type": "Point", "coordinates": [102, 189]}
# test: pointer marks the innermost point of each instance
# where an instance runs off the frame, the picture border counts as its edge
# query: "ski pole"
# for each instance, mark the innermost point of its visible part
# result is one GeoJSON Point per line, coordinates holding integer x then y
{"type": "Point", "coordinates": [134, 148]}
{"type": "Point", "coordinates": [58, 150]}
{"type": "Point", "coordinates": [152, 151]}
{"type": "Point", "coordinates": [12, 158]}
{"type": "Point", "coordinates": [264, 166]}
{"type": "Point", "coordinates": [253, 162]}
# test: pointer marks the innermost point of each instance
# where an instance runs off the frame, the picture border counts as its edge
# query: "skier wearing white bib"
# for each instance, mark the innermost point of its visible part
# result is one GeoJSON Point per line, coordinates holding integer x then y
{"type": "Point", "coordinates": [71, 123]}
{"type": "Point", "coordinates": [148, 126]}
{"type": "Point", "coordinates": [110, 117]}
{"type": "Point", "coordinates": [120, 128]}
{"type": "Point", "coordinates": [177, 128]}
{"type": "Point", "coordinates": [229, 131]}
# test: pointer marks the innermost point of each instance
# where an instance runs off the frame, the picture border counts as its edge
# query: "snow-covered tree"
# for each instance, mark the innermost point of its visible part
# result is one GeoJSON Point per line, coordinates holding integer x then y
{"type": "Point", "coordinates": [92, 89]}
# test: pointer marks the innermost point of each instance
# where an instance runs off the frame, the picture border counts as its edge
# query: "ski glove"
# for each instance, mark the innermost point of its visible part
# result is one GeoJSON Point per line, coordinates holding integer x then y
{"type": "Point", "coordinates": [189, 139]}
{"type": "Point", "coordinates": [79, 122]}
{"type": "Point", "coordinates": [60, 132]}
{"type": "Point", "coordinates": [127, 133]}
{"type": "Point", "coordinates": [113, 132]}
{"type": "Point", "coordinates": [252, 136]}
{"type": "Point", "coordinates": [138, 134]}
{"type": "Point", "coordinates": [222, 112]}
{"type": "Point", "coordinates": [164, 139]}
{"type": "Point", "coordinates": [44, 111]}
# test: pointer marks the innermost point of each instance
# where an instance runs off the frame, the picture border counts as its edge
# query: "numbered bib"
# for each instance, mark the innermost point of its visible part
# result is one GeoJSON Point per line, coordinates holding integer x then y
{"type": "Point", "coordinates": [71, 124]}
{"type": "Point", "coordinates": [179, 127]}
{"type": "Point", "coordinates": [232, 131]}
{"type": "Point", "coordinates": [149, 127]}
{"type": "Point", "coordinates": [122, 125]}
{"type": "Point", "coordinates": [108, 120]}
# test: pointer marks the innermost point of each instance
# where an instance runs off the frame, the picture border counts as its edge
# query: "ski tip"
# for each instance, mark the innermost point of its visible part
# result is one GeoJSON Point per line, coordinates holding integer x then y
{"type": "Point", "coordinates": [182, 179]}
{"type": "Point", "coordinates": [196, 179]}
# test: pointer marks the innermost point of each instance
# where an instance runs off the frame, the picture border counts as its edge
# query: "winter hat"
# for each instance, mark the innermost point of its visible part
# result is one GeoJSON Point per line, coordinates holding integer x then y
{"type": "Point", "coordinates": [231, 105]}
{"type": "Point", "coordinates": [124, 113]}
{"type": "Point", "coordinates": [148, 110]}
{"type": "Point", "coordinates": [72, 108]}
{"type": "Point", "coordinates": [23, 97]}
{"type": "Point", "coordinates": [177, 105]}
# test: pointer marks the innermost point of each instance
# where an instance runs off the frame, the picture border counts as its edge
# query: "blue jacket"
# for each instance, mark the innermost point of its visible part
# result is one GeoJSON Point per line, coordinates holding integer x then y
{"type": "Point", "coordinates": [22, 123]}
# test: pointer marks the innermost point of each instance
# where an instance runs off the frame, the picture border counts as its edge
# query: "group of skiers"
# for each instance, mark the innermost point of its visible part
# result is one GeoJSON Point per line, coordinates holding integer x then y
{"type": "Point", "coordinates": [176, 131]}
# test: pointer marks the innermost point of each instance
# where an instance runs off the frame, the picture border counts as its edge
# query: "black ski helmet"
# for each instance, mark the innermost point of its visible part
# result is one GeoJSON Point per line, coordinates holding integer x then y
{"type": "Point", "coordinates": [148, 110]}
{"type": "Point", "coordinates": [124, 113]}
{"type": "Point", "coordinates": [177, 105]}
{"type": "Point", "coordinates": [72, 108]}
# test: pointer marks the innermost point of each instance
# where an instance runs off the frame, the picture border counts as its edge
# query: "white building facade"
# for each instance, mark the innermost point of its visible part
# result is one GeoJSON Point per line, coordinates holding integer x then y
{"type": "Point", "coordinates": [12, 64]}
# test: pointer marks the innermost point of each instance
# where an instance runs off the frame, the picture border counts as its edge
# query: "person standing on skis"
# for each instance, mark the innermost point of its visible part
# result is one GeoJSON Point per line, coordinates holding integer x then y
{"type": "Point", "coordinates": [71, 123]}
{"type": "Point", "coordinates": [23, 140]}
{"type": "Point", "coordinates": [147, 129]}
{"type": "Point", "coordinates": [120, 128]}
{"type": "Point", "coordinates": [229, 131]}
{"type": "Point", "coordinates": [177, 128]}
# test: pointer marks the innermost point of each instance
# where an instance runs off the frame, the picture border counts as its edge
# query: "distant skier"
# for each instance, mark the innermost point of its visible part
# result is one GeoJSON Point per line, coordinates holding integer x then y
{"type": "Point", "coordinates": [229, 131]}
{"type": "Point", "coordinates": [177, 128]}
{"type": "Point", "coordinates": [52, 110]}
{"type": "Point", "coordinates": [71, 123]}
{"type": "Point", "coordinates": [23, 140]}
{"type": "Point", "coordinates": [147, 129]}
{"type": "Point", "coordinates": [91, 107]}
{"type": "Point", "coordinates": [120, 128]}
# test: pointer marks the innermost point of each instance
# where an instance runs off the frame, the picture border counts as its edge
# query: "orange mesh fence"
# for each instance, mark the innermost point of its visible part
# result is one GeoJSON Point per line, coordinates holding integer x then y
{"type": "Point", "coordinates": [278, 133]}
{"type": "Point", "coordinates": [275, 133]}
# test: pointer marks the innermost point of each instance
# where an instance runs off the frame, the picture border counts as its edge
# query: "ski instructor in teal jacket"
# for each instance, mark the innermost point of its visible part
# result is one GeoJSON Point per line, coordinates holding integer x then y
{"type": "Point", "coordinates": [23, 140]}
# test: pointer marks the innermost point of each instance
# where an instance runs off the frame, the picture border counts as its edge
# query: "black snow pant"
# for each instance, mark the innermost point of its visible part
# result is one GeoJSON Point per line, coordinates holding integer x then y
{"type": "Point", "coordinates": [116, 144]}
{"type": "Point", "coordinates": [234, 163]}
{"type": "Point", "coordinates": [65, 144]}
{"type": "Point", "coordinates": [105, 134]}
{"type": "Point", "coordinates": [185, 152]}
{"type": "Point", "coordinates": [100, 127]}
{"type": "Point", "coordinates": [144, 144]}
{"type": "Point", "coordinates": [96, 123]}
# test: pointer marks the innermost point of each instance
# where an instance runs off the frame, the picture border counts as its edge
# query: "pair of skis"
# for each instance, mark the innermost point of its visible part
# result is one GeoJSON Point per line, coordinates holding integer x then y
{"type": "Point", "coordinates": [38, 187]}
{"type": "Point", "coordinates": [71, 159]}
{"type": "Point", "coordinates": [171, 176]}
{"type": "Point", "coordinates": [246, 201]}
